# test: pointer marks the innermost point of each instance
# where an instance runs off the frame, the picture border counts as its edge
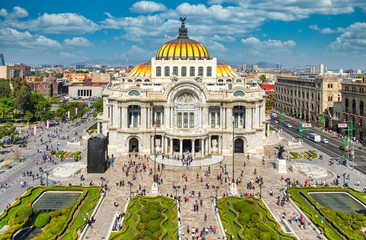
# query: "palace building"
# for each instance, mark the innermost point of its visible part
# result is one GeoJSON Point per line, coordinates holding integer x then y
{"type": "Point", "coordinates": [187, 101]}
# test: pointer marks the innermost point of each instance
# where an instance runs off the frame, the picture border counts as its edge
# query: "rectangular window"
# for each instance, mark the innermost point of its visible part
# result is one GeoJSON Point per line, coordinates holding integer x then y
{"type": "Point", "coordinates": [218, 119]}
{"type": "Point", "coordinates": [200, 71]}
{"type": "Point", "coordinates": [184, 72]}
{"type": "Point", "coordinates": [179, 120]}
{"type": "Point", "coordinates": [175, 70]}
{"type": "Point", "coordinates": [166, 72]}
{"type": "Point", "coordinates": [135, 119]}
{"type": "Point", "coordinates": [191, 71]}
{"type": "Point", "coordinates": [236, 115]}
{"type": "Point", "coordinates": [158, 71]}
{"type": "Point", "coordinates": [185, 120]}
{"type": "Point", "coordinates": [158, 119]}
{"type": "Point", "coordinates": [212, 120]}
{"type": "Point", "coordinates": [209, 71]}
{"type": "Point", "coordinates": [191, 120]}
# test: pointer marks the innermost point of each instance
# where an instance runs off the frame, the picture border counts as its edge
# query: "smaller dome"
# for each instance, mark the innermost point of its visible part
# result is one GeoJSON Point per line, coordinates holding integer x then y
{"type": "Point", "coordinates": [143, 70]}
{"type": "Point", "coordinates": [224, 70]}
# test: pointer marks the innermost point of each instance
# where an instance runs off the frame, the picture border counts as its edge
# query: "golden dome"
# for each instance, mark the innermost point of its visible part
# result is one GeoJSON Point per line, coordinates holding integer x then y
{"type": "Point", "coordinates": [182, 48]}
{"type": "Point", "coordinates": [224, 70]}
{"type": "Point", "coordinates": [143, 70]}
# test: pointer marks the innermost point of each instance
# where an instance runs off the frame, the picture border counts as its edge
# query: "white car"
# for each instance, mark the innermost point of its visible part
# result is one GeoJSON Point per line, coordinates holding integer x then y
{"type": "Point", "coordinates": [288, 125]}
{"type": "Point", "coordinates": [324, 140]}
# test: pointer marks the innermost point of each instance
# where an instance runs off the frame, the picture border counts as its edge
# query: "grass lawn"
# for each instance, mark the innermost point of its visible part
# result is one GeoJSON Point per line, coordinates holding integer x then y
{"type": "Point", "coordinates": [248, 218]}
{"type": "Point", "coordinates": [149, 218]}
{"type": "Point", "coordinates": [62, 223]}
{"type": "Point", "coordinates": [338, 225]}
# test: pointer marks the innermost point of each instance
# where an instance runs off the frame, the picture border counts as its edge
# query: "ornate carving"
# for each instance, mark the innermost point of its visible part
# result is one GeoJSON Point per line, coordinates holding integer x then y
{"type": "Point", "coordinates": [174, 79]}
{"type": "Point", "coordinates": [157, 142]}
{"type": "Point", "coordinates": [214, 143]}
{"type": "Point", "coordinates": [198, 79]}
{"type": "Point", "coordinates": [185, 97]}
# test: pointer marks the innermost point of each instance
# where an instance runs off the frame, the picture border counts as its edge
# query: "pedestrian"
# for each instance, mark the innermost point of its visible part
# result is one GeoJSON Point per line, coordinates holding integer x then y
{"type": "Point", "coordinates": [205, 218]}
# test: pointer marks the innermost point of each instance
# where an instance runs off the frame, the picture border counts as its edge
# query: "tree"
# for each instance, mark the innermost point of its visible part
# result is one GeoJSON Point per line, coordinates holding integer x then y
{"type": "Point", "coordinates": [55, 100]}
{"type": "Point", "coordinates": [8, 130]}
{"type": "Point", "coordinates": [28, 116]}
{"type": "Point", "coordinates": [6, 106]}
{"type": "Point", "coordinates": [5, 90]}
{"type": "Point", "coordinates": [58, 75]}
{"type": "Point", "coordinates": [24, 101]}
{"type": "Point", "coordinates": [18, 84]}
{"type": "Point", "coordinates": [262, 78]}
{"type": "Point", "coordinates": [269, 105]}
{"type": "Point", "coordinates": [98, 106]}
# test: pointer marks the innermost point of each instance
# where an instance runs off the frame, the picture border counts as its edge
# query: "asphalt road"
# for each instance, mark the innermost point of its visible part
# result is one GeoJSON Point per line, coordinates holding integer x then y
{"type": "Point", "coordinates": [14, 176]}
{"type": "Point", "coordinates": [331, 148]}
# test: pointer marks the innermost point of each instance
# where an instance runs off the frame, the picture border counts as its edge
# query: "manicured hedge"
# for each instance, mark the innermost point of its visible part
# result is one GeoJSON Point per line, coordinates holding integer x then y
{"type": "Point", "coordinates": [59, 154]}
{"type": "Point", "coordinates": [294, 155]}
{"type": "Point", "coordinates": [339, 225]}
{"type": "Point", "coordinates": [42, 220]}
{"type": "Point", "coordinates": [149, 218]}
{"type": "Point", "coordinates": [250, 218]}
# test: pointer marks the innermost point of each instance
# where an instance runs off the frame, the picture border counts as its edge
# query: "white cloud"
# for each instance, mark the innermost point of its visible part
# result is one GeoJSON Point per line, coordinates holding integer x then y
{"type": "Point", "coordinates": [327, 30]}
{"type": "Point", "coordinates": [60, 23]}
{"type": "Point", "coordinates": [314, 27]}
{"type": "Point", "coordinates": [13, 38]}
{"type": "Point", "coordinates": [77, 42]}
{"type": "Point", "coordinates": [147, 7]}
{"type": "Point", "coordinates": [353, 38]}
{"type": "Point", "coordinates": [3, 12]}
{"type": "Point", "coordinates": [257, 47]}
{"type": "Point", "coordinates": [17, 12]}
{"type": "Point", "coordinates": [223, 38]}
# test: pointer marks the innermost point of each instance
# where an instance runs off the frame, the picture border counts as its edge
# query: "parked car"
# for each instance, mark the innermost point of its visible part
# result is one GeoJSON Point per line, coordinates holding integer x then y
{"type": "Point", "coordinates": [324, 140]}
{"type": "Point", "coordinates": [288, 125]}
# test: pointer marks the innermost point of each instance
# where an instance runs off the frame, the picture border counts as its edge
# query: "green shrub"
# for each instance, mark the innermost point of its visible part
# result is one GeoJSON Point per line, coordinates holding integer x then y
{"type": "Point", "coordinates": [153, 226]}
{"type": "Point", "coordinates": [42, 220]}
{"type": "Point", "coordinates": [244, 218]}
{"type": "Point", "coordinates": [55, 213]}
{"type": "Point", "coordinates": [59, 154]}
{"type": "Point", "coordinates": [18, 160]}
{"type": "Point", "coordinates": [6, 166]}
{"type": "Point", "coordinates": [265, 236]}
{"type": "Point", "coordinates": [294, 155]}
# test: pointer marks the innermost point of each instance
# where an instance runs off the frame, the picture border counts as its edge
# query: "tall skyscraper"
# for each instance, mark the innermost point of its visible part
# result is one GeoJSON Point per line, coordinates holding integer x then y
{"type": "Point", "coordinates": [244, 67]}
{"type": "Point", "coordinates": [2, 61]}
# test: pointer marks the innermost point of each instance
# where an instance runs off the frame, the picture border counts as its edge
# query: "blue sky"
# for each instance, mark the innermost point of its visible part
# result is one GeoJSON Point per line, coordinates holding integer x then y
{"type": "Point", "coordinates": [289, 32]}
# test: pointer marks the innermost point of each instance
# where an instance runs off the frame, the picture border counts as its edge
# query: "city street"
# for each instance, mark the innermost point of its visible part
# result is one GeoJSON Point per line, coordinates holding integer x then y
{"type": "Point", "coordinates": [14, 176]}
{"type": "Point", "coordinates": [331, 148]}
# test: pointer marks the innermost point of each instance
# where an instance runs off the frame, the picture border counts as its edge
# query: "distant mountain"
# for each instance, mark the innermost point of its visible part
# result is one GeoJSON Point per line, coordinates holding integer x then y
{"type": "Point", "coordinates": [268, 65]}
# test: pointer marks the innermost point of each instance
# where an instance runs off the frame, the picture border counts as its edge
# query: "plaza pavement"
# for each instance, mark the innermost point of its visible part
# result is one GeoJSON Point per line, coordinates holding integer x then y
{"type": "Point", "coordinates": [173, 174]}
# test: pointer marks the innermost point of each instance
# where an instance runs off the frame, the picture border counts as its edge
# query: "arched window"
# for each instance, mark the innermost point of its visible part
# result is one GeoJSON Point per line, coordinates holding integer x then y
{"type": "Point", "coordinates": [191, 72]}
{"type": "Point", "coordinates": [166, 71]}
{"type": "Point", "coordinates": [184, 71]}
{"type": "Point", "coordinates": [209, 71]}
{"type": "Point", "coordinates": [353, 106]}
{"type": "Point", "coordinates": [228, 80]}
{"type": "Point", "coordinates": [158, 71]}
{"type": "Point", "coordinates": [200, 71]}
{"type": "Point", "coordinates": [239, 94]}
{"type": "Point", "coordinates": [129, 80]}
{"type": "Point", "coordinates": [134, 93]}
{"type": "Point", "coordinates": [361, 108]}
{"type": "Point", "coordinates": [175, 70]}
{"type": "Point", "coordinates": [220, 80]}
{"type": "Point", "coordinates": [138, 80]}
{"type": "Point", "coordinates": [146, 80]}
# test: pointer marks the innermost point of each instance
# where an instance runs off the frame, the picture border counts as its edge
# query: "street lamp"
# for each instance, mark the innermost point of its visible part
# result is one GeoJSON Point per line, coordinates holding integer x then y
{"type": "Point", "coordinates": [130, 183]}
{"type": "Point", "coordinates": [323, 220]}
{"type": "Point", "coordinates": [176, 191]}
{"type": "Point", "coordinates": [154, 178]}
{"type": "Point", "coordinates": [260, 190]}
{"type": "Point", "coordinates": [233, 150]}
{"type": "Point", "coordinates": [216, 189]}
{"type": "Point", "coordinates": [344, 179]}
{"type": "Point", "coordinates": [233, 232]}
{"type": "Point", "coordinates": [47, 177]}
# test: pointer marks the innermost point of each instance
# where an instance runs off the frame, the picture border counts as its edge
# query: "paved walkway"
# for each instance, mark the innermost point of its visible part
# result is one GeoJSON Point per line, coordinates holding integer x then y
{"type": "Point", "coordinates": [195, 163]}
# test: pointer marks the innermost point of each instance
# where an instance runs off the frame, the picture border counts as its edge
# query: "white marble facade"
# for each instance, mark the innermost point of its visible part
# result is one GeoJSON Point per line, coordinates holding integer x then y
{"type": "Point", "coordinates": [186, 112]}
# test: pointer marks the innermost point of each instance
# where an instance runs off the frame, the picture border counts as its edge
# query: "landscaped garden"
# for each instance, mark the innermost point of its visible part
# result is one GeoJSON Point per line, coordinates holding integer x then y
{"type": "Point", "coordinates": [149, 218]}
{"type": "Point", "coordinates": [248, 218]}
{"type": "Point", "coordinates": [50, 221]}
{"type": "Point", "coordinates": [304, 155]}
{"type": "Point", "coordinates": [66, 155]}
{"type": "Point", "coordinates": [344, 219]}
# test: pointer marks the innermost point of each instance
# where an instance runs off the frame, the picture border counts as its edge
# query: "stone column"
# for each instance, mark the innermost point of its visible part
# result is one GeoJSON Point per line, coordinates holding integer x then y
{"type": "Point", "coordinates": [143, 117]}
{"type": "Point", "coordinates": [124, 117]}
{"type": "Point", "coordinates": [202, 147]}
{"type": "Point", "coordinates": [180, 146]}
{"type": "Point", "coordinates": [192, 147]}
{"type": "Point", "coordinates": [171, 147]}
{"type": "Point", "coordinates": [205, 117]}
{"type": "Point", "coordinates": [166, 145]}
{"type": "Point", "coordinates": [209, 145]}
{"type": "Point", "coordinates": [229, 119]}
{"type": "Point", "coordinates": [255, 117]}
{"type": "Point", "coordinates": [206, 146]}
{"type": "Point", "coordinates": [221, 123]}
{"type": "Point", "coordinates": [248, 118]}
{"type": "Point", "coordinates": [98, 127]}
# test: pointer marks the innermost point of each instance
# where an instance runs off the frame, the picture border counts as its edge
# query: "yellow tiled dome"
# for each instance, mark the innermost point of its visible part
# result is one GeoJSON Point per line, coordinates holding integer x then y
{"type": "Point", "coordinates": [224, 70]}
{"type": "Point", "coordinates": [182, 48]}
{"type": "Point", "coordinates": [142, 70]}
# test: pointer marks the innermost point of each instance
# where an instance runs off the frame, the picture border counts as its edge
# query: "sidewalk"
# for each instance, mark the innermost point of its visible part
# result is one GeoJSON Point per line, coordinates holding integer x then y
{"type": "Point", "coordinates": [195, 163]}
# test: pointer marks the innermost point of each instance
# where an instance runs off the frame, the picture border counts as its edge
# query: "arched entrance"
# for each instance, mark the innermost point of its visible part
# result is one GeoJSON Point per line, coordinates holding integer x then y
{"type": "Point", "coordinates": [239, 146]}
{"type": "Point", "coordinates": [134, 145]}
